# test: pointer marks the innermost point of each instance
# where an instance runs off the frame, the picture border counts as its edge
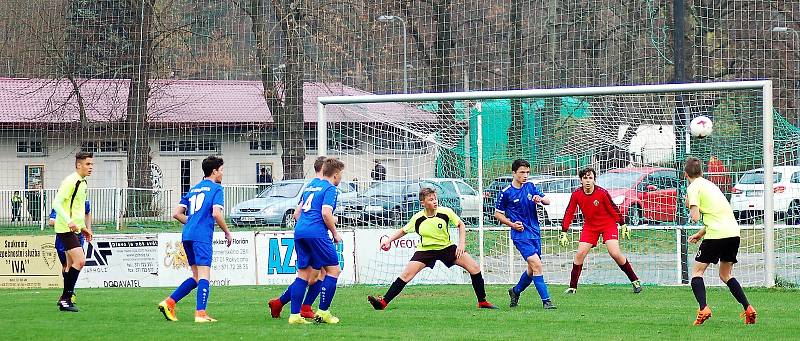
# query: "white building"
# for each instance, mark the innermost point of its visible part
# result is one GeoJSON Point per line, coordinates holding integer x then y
{"type": "Point", "coordinates": [189, 120]}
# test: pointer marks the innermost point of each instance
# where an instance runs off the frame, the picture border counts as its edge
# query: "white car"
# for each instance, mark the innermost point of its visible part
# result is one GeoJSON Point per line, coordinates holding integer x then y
{"type": "Point", "coordinates": [559, 190]}
{"type": "Point", "coordinates": [470, 199]}
{"type": "Point", "coordinates": [747, 196]}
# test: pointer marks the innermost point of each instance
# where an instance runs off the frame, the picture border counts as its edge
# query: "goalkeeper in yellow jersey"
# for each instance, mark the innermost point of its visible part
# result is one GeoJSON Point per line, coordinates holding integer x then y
{"type": "Point", "coordinates": [432, 224]}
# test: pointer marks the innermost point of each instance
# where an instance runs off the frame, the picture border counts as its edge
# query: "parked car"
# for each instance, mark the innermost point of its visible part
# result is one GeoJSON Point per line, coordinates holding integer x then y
{"type": "Point", "coordinates": [392, 202]}
{"type": "Point", "coordinates": [469, 197]}
{"type": "Point", "coordinates": [275, 204]}
{"type": "Point", "coordinates": [559, 190]}
{"type": "Point", "coordinates": [643, 193]}
{"type": "Point", "coordinates": [747, 196]}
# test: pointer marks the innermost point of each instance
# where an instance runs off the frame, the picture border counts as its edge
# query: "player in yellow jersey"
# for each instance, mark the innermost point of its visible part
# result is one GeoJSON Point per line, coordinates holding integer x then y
{"type": "Point", "coordinates": [69, 204]}
{"type": "Point", "coordinates": [720, 234]}
{"type": "Point", "coordinates": [432, 225]}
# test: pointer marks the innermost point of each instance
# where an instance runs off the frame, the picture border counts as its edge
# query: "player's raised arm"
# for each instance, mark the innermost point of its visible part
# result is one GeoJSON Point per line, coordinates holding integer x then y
{"type": "Point", "coordinates": [539, 197]}
{"type": "Point", "coordinates": [395, 236]}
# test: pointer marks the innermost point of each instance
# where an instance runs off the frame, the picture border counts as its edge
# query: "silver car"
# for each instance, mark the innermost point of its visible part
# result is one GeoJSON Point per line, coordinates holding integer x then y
{"type": "Point", "coordinates": [275, 205]}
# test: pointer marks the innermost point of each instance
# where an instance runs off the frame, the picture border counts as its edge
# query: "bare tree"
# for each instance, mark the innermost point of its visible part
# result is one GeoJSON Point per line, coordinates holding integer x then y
{"type": "Point", "coordinates": [284, 99]}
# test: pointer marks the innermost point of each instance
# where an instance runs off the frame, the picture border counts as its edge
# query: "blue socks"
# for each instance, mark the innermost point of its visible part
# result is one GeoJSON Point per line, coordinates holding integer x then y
{"type": "Point", "coordinates": [541, 287]}
{"type": "Point", "coordinates": [203, 291]}
{"type": "Point", "coordinates": [286, 296]}
{"type": "Point", "coordinates": [184, 289]}
{"type": "Point", "coordinates": [313, 292]}
{"type": "Point", "coordinates": [298, 289]}
{"type": "Point", "coordinates": [326, 293]}
{"type": "Point", "coordinates": [524, 282]}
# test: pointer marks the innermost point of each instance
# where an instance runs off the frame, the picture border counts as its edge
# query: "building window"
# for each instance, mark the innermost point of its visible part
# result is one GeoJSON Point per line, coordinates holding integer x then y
{"type": "Point", "coordinates": [311, 144]}
{"type": "Point", "coordinates": [167, 146]}
{"type": "Point", "coordinates": [207, 146]}
{"type": "Point", "coordinates": [189, 146]}
{"type": "Point", "coordinates": [30, 147]}
{"type": "Point", "coordinates": [106, 147]}
{"type": "Point", "coordinates": [89, 146]}
{"type": "Point", "coordinates": [186, 176]}
{"type": "Point", "coordinates": [262, 147]}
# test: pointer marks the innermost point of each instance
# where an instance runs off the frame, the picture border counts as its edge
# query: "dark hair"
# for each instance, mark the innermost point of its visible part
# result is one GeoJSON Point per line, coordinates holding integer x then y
{"type": "Point", "coordinates": [211, 163]}
{"type": "Point", "coordinates": [585, 171]}
{"type": "Point", "coordinates": [318, 163]}
{"type": "Point", "coordinates": [693, 167]}
{"type": "Point", "coordinates": [519, 163]}
{"type": "Point", "coordinates": [81, 155]}
{"type": "Point", "coordinates": [331, 166]}
{"type": "Point", "coordinates": [424, 192]}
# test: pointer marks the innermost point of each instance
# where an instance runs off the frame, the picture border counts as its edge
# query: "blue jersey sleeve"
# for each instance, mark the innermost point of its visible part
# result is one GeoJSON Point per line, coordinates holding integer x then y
{"type": "Point", "coordinates": [500, 205]}
{"type": "Point", "coordinates": [88, 207]}
{"type": "Point", "coordinates": [184, 201]}
{"type": "Point", "coordinates": [329, 198]}
{"type": "Point", "coordinates": [219, 198]}
{"type": "Point", "coordinates": [53, 214]}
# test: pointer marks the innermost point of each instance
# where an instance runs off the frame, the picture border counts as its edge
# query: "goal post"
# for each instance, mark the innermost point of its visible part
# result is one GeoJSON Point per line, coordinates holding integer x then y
{"type": "Point", "coordinates": [452, 118]}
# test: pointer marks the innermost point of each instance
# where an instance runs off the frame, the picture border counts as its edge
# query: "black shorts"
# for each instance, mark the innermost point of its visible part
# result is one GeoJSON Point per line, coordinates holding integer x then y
{"type": "Point", "coordinates": [714, 250]}
{"type": "Point", "coordinates": [429, 258]}
{"type": "Point", "coordinates": [69, 240]}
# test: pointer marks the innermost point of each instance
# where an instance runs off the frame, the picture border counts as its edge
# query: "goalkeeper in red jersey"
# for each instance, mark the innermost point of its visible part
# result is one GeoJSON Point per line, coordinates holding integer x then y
{"type": "Point", "coordinates": [601, 217]}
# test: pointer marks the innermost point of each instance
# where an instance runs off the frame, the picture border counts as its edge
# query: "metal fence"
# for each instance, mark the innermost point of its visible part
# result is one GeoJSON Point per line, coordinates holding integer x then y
{"type": "Point", "coordinates": [31, 207]}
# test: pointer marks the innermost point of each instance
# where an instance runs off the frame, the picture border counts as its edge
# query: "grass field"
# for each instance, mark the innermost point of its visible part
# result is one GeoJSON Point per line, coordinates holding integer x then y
{"type": "Point", "coordinates": [441, 312]}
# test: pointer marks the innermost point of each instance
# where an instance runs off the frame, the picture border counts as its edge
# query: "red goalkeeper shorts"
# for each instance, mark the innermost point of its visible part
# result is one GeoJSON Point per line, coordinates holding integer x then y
{"type": "Point", "coordinates": [590, 235]}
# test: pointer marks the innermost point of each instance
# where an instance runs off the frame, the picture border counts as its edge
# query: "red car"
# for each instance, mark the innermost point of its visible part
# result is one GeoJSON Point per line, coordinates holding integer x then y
{"type": "Point", "coordinates": [643, 193]}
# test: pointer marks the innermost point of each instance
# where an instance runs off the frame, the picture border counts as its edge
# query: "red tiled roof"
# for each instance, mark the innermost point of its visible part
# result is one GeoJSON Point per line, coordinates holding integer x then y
{"type": "Point", "coordinates": [182, 101]}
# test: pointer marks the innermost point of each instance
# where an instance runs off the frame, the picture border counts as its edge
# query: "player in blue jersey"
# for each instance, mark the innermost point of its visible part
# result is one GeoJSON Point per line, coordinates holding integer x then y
{"type": "Point", "coordinates": [62, 254]}
{"type": "Point", "coordinates": [315, 284]}
{"type": "Point", "coordinates": [313, 245]}
{"type": "Point", "coordinates": [516, 208]}
{"type": "Point", "coordinates": [198, 210]}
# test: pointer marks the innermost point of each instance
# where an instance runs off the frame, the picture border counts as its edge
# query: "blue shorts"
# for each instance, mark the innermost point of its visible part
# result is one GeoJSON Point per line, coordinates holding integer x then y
{"type": "Point", "coordinates": [197, 253]}
{"type": "Point", "coordinates": [529, 247]}
{"type": "Point", "coordinates": [62, 256]}
{"type": "Point", "coordinates": [315, 252]}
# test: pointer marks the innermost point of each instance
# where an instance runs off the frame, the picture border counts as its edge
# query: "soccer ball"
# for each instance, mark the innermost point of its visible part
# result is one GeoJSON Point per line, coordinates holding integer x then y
{"type": "Point", "coordinates": [701, 126]}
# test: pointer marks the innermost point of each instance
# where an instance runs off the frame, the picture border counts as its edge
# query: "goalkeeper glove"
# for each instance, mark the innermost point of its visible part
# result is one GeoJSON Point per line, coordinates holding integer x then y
{"type": "Point", "coordinates": [624, 232]}
{"type": "Point", "coordinates": [563, 240]}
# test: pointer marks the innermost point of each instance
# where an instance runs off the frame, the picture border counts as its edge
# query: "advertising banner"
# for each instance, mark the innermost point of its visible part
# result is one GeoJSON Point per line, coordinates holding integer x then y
{"type": "Point", "coordinates": [28, 262]}
{"type": "Point", "coordinates": [232, 265]}
{"type": "Point", "coordinates": [120, 261]}
{"type": "Point", "coordinates": [276, 257]}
